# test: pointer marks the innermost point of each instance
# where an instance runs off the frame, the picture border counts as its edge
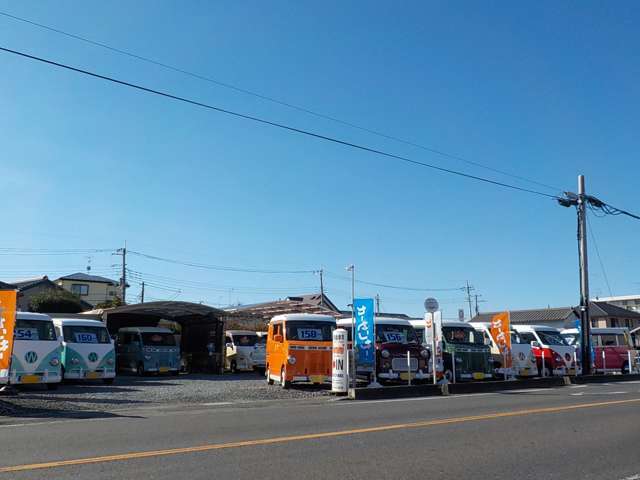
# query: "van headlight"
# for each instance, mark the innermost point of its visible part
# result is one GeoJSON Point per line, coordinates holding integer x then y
{"type": "Point", "coordinates": [147, 357]}
{"type": "Point", "coordinates": [385, 354]}
{"type": "Point", "coordinates": [291, 359]}
{"type": "Point", "coordinates": [75, 360]}
{"type": "Point", "coordinates": [424, 353]}
{"type": "Point", "coordinates": [110, 361]}
{"type": "Point", "coordinates": [54, 362]}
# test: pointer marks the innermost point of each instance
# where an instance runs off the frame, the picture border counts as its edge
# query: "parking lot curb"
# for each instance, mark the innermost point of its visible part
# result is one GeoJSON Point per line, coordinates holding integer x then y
{"type": "Point", "coordinates": [404, 391]}
{"type": "Point", "coordinates": [581, 380]}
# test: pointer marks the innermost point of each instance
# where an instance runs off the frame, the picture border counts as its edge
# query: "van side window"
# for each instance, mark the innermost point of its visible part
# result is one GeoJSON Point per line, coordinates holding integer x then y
{"type": "Point", "coordinates": [227, 339]}
{"type": "Point", "coordinates": [608, 340]}
{"type": "Point", "coordinates": [528, 337]}
{"type": "Point", "coordinates": [277, 329]}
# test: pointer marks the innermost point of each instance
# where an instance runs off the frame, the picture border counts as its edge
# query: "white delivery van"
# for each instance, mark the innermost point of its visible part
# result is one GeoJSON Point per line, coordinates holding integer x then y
{"type": "Point", "coordinates": [523, 360]}
{"type": "Point", "coordinates": [547, 343]}
{"type": "Point", "coordinates": [260, 353]}
{"type": "Point", "coordinates": [240, 348]}
{"type": "Point", "coordinates": [36, 351]}
{"type": "Point", "coordinates": [88, 352]}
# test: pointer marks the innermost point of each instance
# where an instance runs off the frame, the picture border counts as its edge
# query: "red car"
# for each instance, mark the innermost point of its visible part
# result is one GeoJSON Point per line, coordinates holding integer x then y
{"type": "Point", "coordinates": [612, 349]}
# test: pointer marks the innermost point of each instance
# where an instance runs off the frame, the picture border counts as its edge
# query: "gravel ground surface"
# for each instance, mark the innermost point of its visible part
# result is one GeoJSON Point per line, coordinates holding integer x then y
{"type": "Point", "coordinates": [88, 399]}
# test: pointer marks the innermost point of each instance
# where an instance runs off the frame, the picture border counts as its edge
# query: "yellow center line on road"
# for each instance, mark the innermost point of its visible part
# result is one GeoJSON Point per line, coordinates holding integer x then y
{"type": "Point", "coordinates": [309, 436]}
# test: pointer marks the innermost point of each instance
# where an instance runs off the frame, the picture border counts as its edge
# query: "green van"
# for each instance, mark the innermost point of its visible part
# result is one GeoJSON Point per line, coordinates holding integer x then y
{"type": "Point", "coordinates": [148, 350]}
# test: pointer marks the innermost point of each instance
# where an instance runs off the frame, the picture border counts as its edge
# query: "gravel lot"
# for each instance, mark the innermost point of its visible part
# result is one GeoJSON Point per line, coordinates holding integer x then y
{"type": "Point", "coordinates": [87, 399]}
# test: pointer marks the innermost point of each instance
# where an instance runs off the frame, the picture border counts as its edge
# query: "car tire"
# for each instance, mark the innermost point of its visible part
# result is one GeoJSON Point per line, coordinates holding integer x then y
{"type": "Point", "coordinates": [52, 386]}
{"type": "Point", "coordinates": [284, 383]}
{"type": "Point", "coordinates": [625, 368]}
{"type": "Point", "coordinates": [233, 367]}
{"type": "Point", "coordinates": [448, 374]}
{"type": "Point", "coordinates": [269, 379]}
{"type": "Point", "coordinates": [108, 381]}
{"type": "Point", "coordinates": [140, 370]}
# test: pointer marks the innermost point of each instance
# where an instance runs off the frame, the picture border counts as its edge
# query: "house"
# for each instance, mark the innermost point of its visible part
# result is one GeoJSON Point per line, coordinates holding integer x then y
{"type": "Point", "coordinates": [602, 314]}
{"type": "Point", "coordinates": [630, 302]}
{"type": "Point", "coordinates": [92, 289]}
{"type": "Point", "coordinates": [28, 288]}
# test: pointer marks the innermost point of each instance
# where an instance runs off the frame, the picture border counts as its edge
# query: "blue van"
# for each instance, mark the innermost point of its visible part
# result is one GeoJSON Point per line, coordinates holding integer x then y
{"type": "Point", "coordinates": [147, 350]}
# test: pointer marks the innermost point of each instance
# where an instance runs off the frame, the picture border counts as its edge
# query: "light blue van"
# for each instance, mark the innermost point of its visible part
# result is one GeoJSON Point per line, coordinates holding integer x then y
{"type": "Point", "coordinates": [88, 352]}
{"type": "Point", "coordinates": [36, 351]}
{"type": "Point", "coordinates": [148, 350]}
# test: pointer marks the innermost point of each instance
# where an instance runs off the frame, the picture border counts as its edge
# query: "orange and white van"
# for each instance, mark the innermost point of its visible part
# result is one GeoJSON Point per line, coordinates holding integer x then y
{"type": "Point", "coordinates": [299, 349]}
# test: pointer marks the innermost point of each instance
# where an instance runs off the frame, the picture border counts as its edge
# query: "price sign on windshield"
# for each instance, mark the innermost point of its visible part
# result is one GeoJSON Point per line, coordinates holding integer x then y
{"type": "Point", "coordinates": [26, 334]}
{"type": "Point", "coordinates": [84, 337]}
{"type": "Point", "coordinates": [309, 334]}
{"type": "Point", "coordinates": [395, 337]}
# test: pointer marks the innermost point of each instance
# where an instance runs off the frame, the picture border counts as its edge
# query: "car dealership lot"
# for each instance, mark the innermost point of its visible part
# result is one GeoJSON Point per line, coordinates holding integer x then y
{"type": "Point", "coordinates": [88, 399]}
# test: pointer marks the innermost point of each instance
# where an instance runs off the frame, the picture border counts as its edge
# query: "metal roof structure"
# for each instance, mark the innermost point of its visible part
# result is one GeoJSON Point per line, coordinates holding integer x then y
{"type": "Point", "coordinates": [314, 303]}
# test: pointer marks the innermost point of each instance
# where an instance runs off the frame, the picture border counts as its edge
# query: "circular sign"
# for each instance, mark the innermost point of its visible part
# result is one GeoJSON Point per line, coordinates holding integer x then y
{"type": "Point", "coordinates": [93, 357]}
{"type": "Point", "coordinates": [431, 305]}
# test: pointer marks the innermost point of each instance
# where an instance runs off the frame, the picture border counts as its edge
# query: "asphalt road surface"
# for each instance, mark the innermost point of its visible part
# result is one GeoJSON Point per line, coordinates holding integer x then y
{"type": "Point", "coordinates": [580, 432]}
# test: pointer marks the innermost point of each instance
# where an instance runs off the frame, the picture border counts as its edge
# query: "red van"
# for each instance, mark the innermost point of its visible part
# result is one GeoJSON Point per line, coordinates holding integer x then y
{"type": "Point", "coordinates": [611, 348]}
{"type": "Point", "coordinates": [394, 338]}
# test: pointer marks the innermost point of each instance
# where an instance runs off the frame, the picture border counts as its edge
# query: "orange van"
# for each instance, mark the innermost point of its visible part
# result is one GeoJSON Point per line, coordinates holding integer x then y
{"type": "Point", "coordinates": [299, 349]}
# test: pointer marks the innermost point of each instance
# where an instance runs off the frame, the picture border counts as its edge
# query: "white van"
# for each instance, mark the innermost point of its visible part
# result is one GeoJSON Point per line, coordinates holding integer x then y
{"type": "Point", "coordinates": [240, 348]}
{"type": "Point", "coordinates": [523, 360]}
{"type": "Point", "coordinates": [36, 351]}
{"type": "Point", "coordinates": [88, 352]}
{"type": "Point", "coordinates": [559, 356]}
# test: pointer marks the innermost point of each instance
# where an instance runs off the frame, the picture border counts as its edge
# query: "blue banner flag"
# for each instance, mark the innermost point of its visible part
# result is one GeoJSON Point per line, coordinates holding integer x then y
{"type": "Point", "coordinates": [364, 334]}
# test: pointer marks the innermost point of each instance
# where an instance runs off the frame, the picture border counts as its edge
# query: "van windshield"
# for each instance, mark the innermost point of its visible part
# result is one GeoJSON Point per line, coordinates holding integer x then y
{"type": "Point", "coordinates": [36, 330]}
{"type": "Point", "coordinates": [158, 339]}
{"type": "Point", "coordinates": [396, 334]}
{"type": "Point", "coordinates": [462, 335]}
{"type": "Point", "coordinates": [310, 331]}
{"type": "Point", "coordinates": [245, 340]}
{"type": "Point", "coordinates": [82, 334]}
{"type": "Point", "coordinates": [550, 337]}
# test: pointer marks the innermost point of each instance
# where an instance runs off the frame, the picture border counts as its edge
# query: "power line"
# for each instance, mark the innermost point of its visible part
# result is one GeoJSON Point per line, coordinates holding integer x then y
{"type": "Point", "coordinates": [595, 244]}
{"type": "Point", "coordinates": [216, 267]}
{"type": "Point", "coordinates": [395, 287]}
{"type": "Point", "coordinates": [279, 125]}
{"type": "Point", "coordinates": [276, 101]}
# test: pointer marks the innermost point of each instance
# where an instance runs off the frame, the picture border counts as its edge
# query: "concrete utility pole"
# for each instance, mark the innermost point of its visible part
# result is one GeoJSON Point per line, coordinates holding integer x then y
{"type": "Point", "coordinates": [142, 294]}
{"type": "Point", "coordinates": [377, 304]}
{"type": "Point", "coordinates": [585, 319]}
{"type": "Point", "coordinates": [469, 288]}
{"type": "Point", "coordinates": [352, 268]}
{"type": "Point", "coordinates": [580, 201]}
{"type": "Point", "coordinates": [123, 278]}
{"type": "Point", "coordinates": [321, 288]}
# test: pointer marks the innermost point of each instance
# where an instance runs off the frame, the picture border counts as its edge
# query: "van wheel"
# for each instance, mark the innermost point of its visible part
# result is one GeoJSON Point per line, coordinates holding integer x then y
{"type": "Point", "coordinates": [233, 367]}
{"type": "Point", "coordinates": [625, 368]}
{"type": "Point", "coordinates": [62, 374]}
{"type": "Point", "coordinates": [284, 383]}
{"type": "Point", "coordinates": [140, 370]}
{"type": "Point", "coordinates": [269, 380]}
{"type": "Point", "coordinates": [108, 381]}
{"type": "Point", "coordinates": [52, 386]}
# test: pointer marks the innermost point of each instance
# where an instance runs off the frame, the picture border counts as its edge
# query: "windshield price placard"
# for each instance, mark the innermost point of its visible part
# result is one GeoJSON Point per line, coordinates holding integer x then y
{"type": "Point", "coordinates": [395, 337]}
{"type": "Point", "coordinates": [85, 337]}
{"type": "Point", "coordinates": [26, 334]}
{"type": "Point", "coordinates": [309, 334]}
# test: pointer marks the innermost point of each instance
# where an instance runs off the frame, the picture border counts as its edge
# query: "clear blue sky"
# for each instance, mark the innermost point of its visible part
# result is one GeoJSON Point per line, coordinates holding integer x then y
{"type": "Point", "coordinates": [545, 90]}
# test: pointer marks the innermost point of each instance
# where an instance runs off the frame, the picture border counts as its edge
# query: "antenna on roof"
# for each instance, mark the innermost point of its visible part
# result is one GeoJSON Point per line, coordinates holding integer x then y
{"type": "Point", "coordinates": [89, 264]}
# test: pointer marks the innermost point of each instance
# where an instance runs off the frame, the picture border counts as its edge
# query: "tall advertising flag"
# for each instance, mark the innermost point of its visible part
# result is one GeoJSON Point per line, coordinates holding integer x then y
{"type": "Point", "coordinates": [8, 300]}
{"type": "Point", "coordinates": [364, 333]}
{"type": "Point", "coordinates": [501, 333]}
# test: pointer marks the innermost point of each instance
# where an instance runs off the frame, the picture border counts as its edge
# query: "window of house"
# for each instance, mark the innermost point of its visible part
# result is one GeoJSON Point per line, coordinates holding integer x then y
{"type": "Point", "coordinates": [80, 289]}
{"type": "Point", "coordinates": [614, 322]}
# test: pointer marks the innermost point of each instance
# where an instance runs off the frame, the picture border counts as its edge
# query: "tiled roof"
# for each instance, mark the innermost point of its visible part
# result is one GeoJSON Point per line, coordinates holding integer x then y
{"type": "Point", "coordinates": [533, 316]}
{"type": "Point", "coordinates": [84, 277]}
{"type": "Point", "coordinates": [604, 309]}
{"type": "Point", "coordinates": [30, 282]}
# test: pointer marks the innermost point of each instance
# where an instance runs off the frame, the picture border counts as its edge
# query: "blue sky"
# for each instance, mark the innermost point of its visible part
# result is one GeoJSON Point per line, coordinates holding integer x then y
{"type": "Point", "coordinates": [545, 90]}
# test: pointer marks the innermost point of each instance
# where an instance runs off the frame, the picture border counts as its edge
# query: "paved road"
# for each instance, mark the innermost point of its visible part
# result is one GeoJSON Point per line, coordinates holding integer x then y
{"type": "Point", "coordinates": [585, 432]}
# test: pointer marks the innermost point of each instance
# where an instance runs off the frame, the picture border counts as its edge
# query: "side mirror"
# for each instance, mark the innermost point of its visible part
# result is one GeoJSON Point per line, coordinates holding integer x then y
{"type": "Point", "coordinates": [229, 345]}
{"type": "Point", "coordinates": [487, 341]}
{"type": "Point", "coordinates": [535, 344]}
{"type": "Point", "coordinates": [278, 338]}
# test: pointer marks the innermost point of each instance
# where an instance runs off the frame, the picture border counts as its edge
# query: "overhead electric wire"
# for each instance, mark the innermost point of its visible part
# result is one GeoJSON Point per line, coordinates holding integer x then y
{"type": "Point", "coordinates": [395, 287]}
{"type": "Point", "coordinates": [277, 125]}
{"type": "Point", "coordinates": [276, 101]}
{"type": "Point", "coordinates": [595, 244]}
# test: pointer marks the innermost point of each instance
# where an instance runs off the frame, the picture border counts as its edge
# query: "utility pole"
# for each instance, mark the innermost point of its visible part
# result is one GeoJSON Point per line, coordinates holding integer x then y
{"type": "Point", "coordinates": [142, 294]}
{"type": "Point", "coordinates": [123, 278]}
{"type": "Point", "coordinates": [352, 268]}
{"type": "Point", "coordinates": [477, 309]}
{"type": "Point", "coordinates": [469, 288]}
{"type": "Point", "coordinates": [580, 201]}
{"type": "Point", "coordinates": [321, 288]}
{"type": "Point", "coordinates": [377, 304]}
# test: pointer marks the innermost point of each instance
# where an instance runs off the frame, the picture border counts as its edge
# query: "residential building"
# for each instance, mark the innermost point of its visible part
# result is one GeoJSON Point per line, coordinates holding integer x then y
{"type": "Point", "coordinates": [630, 302]}
{"type": "Point", "coordinates": [92, 289]}
{"type": "Point", "coordinates": [603, 314]}
{"type": "Point", "coordinates": [28, 288]}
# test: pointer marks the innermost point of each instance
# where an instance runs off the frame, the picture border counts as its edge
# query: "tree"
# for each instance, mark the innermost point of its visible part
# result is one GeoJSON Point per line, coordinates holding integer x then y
{"type": "Point", "coordinates": [55, 301]}
{"type": "Point", "coordinates": [115, 302]}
